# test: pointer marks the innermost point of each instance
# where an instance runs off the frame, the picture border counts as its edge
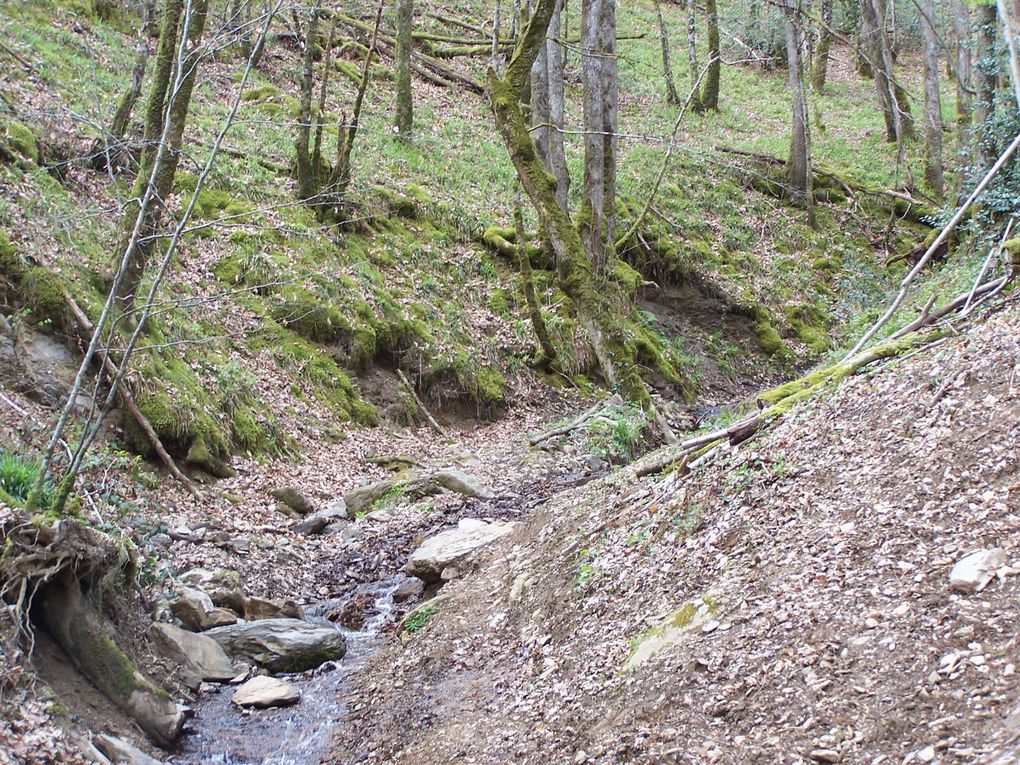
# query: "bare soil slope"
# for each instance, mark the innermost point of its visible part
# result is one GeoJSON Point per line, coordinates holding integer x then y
{"type": "Point", "coordinates": [790, 602]}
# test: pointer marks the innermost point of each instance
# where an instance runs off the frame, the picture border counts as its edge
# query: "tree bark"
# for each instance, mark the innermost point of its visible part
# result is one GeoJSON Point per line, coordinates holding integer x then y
{"type": "Point", "coordinates": [800, 142]}
{"type": "Point", "coordinates": [710, 95]}
{"type": "Point", "coordinates": [821, 62]}
{"type": "Point", "coordinates": [932, 101]}
{"type": "Point", "coordinates": [547, 353]}
{"type": "Point", "coordinates": [404, 109]}
{"type": "Point", "coordinates": [672, 97]}
{"type": "Point", "coordinates": [692, 56]}
{"type": "Point", "coordinates": [593, 204]}
{"type": "Point", "coordinates": [172, 105]}
{"type": "Point", "coordinates": [557, 101]}
{"type": "Point", "coordinates": [307, 173]}
{"type": "Point", "coordinates": [987, 77]}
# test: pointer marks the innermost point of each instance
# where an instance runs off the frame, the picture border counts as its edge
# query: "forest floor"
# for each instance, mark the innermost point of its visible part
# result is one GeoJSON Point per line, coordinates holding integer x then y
{"type": "Point", "coordinates": [789, 602]}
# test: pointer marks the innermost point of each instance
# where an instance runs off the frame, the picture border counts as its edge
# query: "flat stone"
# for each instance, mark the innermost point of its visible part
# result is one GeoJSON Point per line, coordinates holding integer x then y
{"type": "Point", "coordinates": [120, 752]}
{"type": "Point", "coordinates": [263, 692]}
{"type": "Point", "coordinates": [282, 645]}
{"type": "Point", "coordinates": [975, 571]}
{"type": "Point", "coordinates": [460, 482]}
{"type": "Point", "coordinates": [261, 608]}
{"type": "Point", "coordinates": [200, 656]}
{"type": "Point", "coordinates": [317, 522]}
{"type": "Point", "coordinates": [293, 500]}
{"type": "Point", "coordinates": [455, 546]}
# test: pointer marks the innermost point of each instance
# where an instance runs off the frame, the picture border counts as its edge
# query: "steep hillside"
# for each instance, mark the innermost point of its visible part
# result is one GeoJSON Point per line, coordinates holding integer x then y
{"type": "Point", "coordinates": [789, 601]}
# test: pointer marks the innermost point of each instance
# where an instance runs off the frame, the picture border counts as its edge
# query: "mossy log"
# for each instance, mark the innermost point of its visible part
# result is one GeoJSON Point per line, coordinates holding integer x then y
{"type": "Point", "coordinates": [71, 567]}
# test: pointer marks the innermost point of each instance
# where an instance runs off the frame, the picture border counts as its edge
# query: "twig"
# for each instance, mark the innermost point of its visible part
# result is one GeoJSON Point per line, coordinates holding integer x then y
{"type": "Point", "coordinates": [421, 404]}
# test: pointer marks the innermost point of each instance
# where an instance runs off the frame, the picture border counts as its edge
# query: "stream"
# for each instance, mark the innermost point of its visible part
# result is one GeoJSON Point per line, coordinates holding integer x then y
{"type": "Point", "coordinates": [223, 734]}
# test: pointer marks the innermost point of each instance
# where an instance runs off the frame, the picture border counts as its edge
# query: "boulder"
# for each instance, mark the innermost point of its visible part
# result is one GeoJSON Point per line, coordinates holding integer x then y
{"type": "Point", "coordinates": [282, 645]}
{"type": "Point", "coordinates": [460, 482]}
{"type": "Point", "coordinates": [263, 692]}
{"type": "Point", "coordinates": [120, 752]}
{"type": "Point", "coordinates": [196, 611]}
{"type": "Point", "coordinates": [317, 522]}
{"type": "Point", "coordinates": [227, 598]}
{"type": "Point", "coordinates": [292, 500]}
{"type": "Point", "coordinates": [360, 499]}
{"type": "Point", "coordinates": [450, 548]}
{"type": "Point", "coordinates": [974, 572]}
{"type": "Point", "coordinates": [260, 608]}
{"type": "Point", "coordinates": [200, 657]}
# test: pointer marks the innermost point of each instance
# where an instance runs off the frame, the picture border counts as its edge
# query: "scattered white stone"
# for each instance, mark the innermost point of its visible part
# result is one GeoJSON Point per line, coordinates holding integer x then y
{"type": "Point", "coordinates": [263, 692]}
{"type": "Point", "coordinates": [927, 754]}
{"type": "Point", "coordinates": [824, 755]}
{"type": "Point", "coordinates": [973, 572]}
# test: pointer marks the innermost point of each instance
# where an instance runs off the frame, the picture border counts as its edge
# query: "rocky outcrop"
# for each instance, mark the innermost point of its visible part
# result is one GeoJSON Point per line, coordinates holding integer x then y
{"type": "Point", "coordinates": [438, 557]}
{"type": "Point", "coordinates": [282, 645]}
{"type": "Point", "coordinates": [263, 692]}
{"type": "Point", "coordinates": [317, 523]}
{"type": "Point", "coordinates": [261, 608]}
{"type": "Point", "coordinates": [198, 656]}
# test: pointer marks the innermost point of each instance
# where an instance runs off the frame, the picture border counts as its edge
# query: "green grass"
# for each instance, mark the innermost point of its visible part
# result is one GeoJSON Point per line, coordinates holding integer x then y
{"type": "Point", "coordinates": [18, 476]}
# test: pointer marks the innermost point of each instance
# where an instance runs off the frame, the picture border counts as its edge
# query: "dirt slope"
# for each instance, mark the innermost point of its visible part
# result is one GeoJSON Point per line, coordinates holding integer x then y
{"type": "Point", "coordinates": [821, 624]}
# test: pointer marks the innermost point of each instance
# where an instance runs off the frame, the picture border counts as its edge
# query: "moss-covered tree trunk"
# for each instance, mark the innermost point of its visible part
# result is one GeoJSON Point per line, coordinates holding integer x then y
{"type": "Point", "coordinates": [307, 174]}
{"type": "Point", "coordinates": [987, 78]}
{"type": "Point", "coordinates": [594, 313]}
{"type": "Point", "coordinates": [710, 94]}
{"type": "Point", "coordinates": [895, 107]}
{"type": "Point", "coordinates": [821, 62]}
{"type": "Point", "coordinates": [932, 100]}
{"type": "Point", "coordinates": [547, 353]}
{"type": "Point", "coordinates": [166, 118]}
{"type": "Point", "coordinates": [403, 116]}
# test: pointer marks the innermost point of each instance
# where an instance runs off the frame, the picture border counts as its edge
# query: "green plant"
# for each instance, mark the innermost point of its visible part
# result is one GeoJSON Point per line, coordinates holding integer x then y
{"type": "Point", "coordinates": [420, 618]}
{"type": "Point", "coordinates": [17, 476]}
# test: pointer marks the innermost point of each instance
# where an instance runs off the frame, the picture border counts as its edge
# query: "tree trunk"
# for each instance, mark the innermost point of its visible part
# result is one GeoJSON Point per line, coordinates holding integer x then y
{"type": "Point", "coordinates": [672, 97]}
{"type": "Point", "coordinates": [404, 110]}
{"type": "Point", "coordinates": [963, 64]}
{"type": "Point", "coordinates": [175, 102]}
{"type": "Point", "coordinates": [800, 143]}
{"type": "Point", "coordinates": [866, 42]}
{"type": "Point", "coordinates": [307, 174]}
{"type": "Point", "coordinates": [710, 94]}
{"type": "Point", "coordinates": [615, 359]}
{"type": "Point", "coordinates": [557, 100]}
{"type": "Point", "coordinates": [593, 205]}
{"type": "Point", "coordinates": [987, 78]}
{"type": "Point", "coordinates": [932, 100]}
{"type": "Point", "coordinates": [547, 353]}
{"type": "Point", "coordinates": [821, 62]}
{"type": "Point", "coordinates": [692, 56]}
{"type": "Point", "coordinates": [126, 105]}
{"type": "Point", "coordinates": [610, 83]}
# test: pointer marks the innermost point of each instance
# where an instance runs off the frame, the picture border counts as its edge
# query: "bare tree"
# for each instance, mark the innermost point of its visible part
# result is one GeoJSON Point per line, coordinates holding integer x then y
{"type": "Point", "coordinates": [800, 141]}
{"type": "Point", "coordinates": [692, 54]}
{"type": "Point", "coordinates": [987, 75]}
{"type": "Point", "coordinates": [821, 61]}
{"type": "Point", "coordinates": [672, 96]}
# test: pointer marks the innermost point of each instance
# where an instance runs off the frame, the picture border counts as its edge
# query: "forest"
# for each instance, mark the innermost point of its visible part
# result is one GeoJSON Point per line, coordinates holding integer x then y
{"type": "Point", "coordinates": [474, 381]}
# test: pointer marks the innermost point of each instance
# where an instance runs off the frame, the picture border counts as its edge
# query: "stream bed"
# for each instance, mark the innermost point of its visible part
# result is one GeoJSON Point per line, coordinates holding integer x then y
{"type": "Point", "coordinates": [222, 734]}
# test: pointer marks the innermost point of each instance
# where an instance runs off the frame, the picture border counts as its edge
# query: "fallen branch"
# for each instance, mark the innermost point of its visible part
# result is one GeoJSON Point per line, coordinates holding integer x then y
{"type": "Point", "coordinates": [574, 424]}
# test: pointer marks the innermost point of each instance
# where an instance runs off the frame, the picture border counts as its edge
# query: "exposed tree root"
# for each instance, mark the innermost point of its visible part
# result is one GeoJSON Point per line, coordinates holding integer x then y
{"type": "Point", "coordinates": [52, 574]}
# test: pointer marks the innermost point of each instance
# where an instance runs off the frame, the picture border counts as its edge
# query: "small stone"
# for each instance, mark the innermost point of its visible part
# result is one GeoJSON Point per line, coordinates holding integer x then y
{"type": "Point", "coordinates": [871, 623]}
{"type": "Point", "coordinates": [160, 540]}
{"type": "Point", "coordinates": [973, 572]}
{"type": "Point", "coordinates": [711, 626]}
{"type": "Point", "coordinates": [927, 754]}
{"type": "Point", "coordinates": [1008, 670]}
{"type": "Point", "coordinates": [824, 755]}
{"type": "Point", "coordinates": [263, 692]}
{"type": "Point", "coordinates": [581, 756]}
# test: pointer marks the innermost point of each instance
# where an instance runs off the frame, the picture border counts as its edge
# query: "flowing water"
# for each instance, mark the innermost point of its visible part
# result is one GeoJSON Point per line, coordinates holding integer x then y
{"type": "Point", "coordinates": [298, 735]}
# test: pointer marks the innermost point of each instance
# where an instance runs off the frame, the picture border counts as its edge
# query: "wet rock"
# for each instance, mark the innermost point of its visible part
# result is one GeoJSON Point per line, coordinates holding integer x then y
{"type": "Point", "coordinates": [317, 522]}
{"type": "Point", "coordinates": [973, 572]}
{"type": "Point", "coordinates": [120, 752]}
{"type": "Point", "coordinates": [282, 645]}
{"type": "Point", "coordinates": [292, 501]}
{"type": "Point", "coordinates": [408, 589]}
{"type": "Point", "coordinates": [263, 692]}
{"type": "Point", "coordinates": [260, 608]}
{"type": "Point", "coordinates": [201, 658]}
{"type": "Point", "coordinates": [450, 548]}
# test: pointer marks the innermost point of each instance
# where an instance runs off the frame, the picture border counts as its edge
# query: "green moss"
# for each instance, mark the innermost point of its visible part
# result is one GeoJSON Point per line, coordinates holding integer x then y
{"type": "Point", "coordinates": [420, 618]}
{"type": "Point", "coordinates": [309, 315]}
{"type": "Point", "coordinates": [17, 142]}
{"type": "Point", "coordinates": [807, 321]}
{"type": "Point", "coordinates": [11, 262]}
{"type": "Point", "coordinates": [43, 293]}
{"type": "Point", "coordinates": [627, 276]}
{"type": "Point", "coordinates": [261, 93]}
{"type": "Point", "coordinates": [491, 386]}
